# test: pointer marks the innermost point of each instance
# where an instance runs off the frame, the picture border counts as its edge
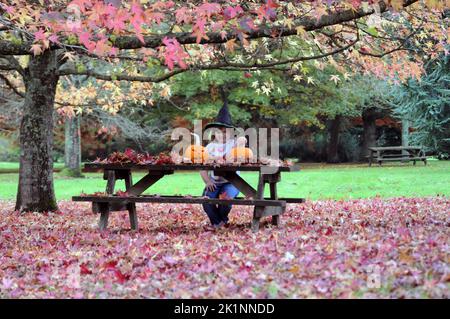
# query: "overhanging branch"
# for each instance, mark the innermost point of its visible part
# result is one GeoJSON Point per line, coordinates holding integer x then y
{"type": "Point", "coordinates": [155, 41]}
{"type": "Point", "coordinates": [11, 86]}
{"type": "Point", "coordinates": [222, 65]}
{"type": "Point", "coordinates": [14, 64]}
{"type": "Point", "coordinates": [120, 77]}
{"type": "Point", "coordinates": [309, 24]}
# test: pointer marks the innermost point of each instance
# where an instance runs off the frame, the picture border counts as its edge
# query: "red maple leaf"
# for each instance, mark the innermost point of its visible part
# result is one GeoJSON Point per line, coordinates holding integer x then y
{"type": "Point", "coordinates": [110, 265]}
{"type": "Point", "coordinates": [84, 270]}
{"type": "Point", "coordinates": [121, 277]}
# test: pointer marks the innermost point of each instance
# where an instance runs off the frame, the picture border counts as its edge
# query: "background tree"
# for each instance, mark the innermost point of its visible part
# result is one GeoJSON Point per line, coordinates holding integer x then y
{"type": "Point", "coordinates": [372, 99]}
{"type": "Point", "coordinates": [426, 105]}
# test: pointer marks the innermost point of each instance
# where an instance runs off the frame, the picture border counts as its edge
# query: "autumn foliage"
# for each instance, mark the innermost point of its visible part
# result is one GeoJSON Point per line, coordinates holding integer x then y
{"type": "Point", "coordinates": [130, 156]}
{"type": "Point", "coordinates": [394, 248]}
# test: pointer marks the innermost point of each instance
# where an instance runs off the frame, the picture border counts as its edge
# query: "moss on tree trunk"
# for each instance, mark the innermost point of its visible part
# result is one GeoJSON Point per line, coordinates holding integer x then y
{"type": "Point", "coordinates": [36, 191]}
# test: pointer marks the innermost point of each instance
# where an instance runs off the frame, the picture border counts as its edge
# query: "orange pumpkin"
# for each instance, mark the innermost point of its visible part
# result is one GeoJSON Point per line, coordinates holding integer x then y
{"type": "Point", "coordinates": [241, 154]}
{"type": "Point", "coordinates": [196, 153]}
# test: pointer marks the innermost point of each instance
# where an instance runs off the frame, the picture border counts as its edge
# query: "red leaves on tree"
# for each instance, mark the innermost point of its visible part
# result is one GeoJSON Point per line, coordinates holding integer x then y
{"type": "Point", "coordinates": [232, 12]}
{"type": "Point", "coordinates": [208, 9]}
{"type": "Point", "coordinates": [173, 53]}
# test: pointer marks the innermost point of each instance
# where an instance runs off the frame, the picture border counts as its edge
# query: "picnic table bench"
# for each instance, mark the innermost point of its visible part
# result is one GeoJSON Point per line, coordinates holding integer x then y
{"type": "Point", "coordinates": [396, 153]}
{"type": "Point", "coordinates": [104, 204]}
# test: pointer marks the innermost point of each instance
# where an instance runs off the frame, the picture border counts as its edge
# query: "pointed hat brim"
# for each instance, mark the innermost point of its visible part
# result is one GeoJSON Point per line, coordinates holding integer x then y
{"type": "Point", "coordinates": [218, 124]}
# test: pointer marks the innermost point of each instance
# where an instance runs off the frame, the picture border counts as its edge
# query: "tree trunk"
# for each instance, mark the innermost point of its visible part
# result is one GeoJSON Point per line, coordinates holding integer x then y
{"type": "Point", "coordinates": [405, 134]}
{"type": "Point", "coordinates": [36, 192]}
{"type": "Point", "coordinates": [369, 117]}
{"type": "Point", "coordinates": [72, 146]}
{"type": "Point", "coordinates": [333, 142]}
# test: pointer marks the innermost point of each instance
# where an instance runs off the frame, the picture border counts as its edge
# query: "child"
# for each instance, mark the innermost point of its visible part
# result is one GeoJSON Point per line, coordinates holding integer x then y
{"type": "Point", "coordinates": [217, 186]}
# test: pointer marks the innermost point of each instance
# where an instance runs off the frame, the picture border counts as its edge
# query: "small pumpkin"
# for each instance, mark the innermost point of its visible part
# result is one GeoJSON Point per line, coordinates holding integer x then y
{"type": "Point", "coordinates": [240, 153]}
{"type": "Point", "coordinates": [196, 153]}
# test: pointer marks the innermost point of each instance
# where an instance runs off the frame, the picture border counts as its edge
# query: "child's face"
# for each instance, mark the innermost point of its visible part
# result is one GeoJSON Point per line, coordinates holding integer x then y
{"type": "Point", "coordinates": [221, 137]}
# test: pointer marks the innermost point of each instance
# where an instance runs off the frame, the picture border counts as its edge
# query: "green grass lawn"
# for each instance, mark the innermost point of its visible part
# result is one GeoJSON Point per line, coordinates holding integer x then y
{"type": "Point", "coordinates": [11, 167]}
{"type": "Point", "coordinates": [313, 182]}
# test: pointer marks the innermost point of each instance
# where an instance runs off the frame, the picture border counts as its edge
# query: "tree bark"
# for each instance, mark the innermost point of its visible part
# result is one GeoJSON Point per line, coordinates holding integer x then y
{"type": "Point", "coordinates": [36, 191]}
{"type": "Point", "coordinates": [369, 117]}
{"type": "Point", "coordinates": [333, 142]}
{"type": "Point", "coordinates": [72, 146]}
{"type": "Point", "coordinates": [405, 134]}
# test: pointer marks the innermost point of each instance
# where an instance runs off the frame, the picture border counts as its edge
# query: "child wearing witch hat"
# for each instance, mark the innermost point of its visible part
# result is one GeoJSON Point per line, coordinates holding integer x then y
{"type": "Point", "coordinates": [217, 186]}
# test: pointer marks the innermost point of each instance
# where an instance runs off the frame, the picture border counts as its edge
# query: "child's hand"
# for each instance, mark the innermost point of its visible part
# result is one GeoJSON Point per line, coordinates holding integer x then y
{"type": "Point", "coordinates": [210, 186]}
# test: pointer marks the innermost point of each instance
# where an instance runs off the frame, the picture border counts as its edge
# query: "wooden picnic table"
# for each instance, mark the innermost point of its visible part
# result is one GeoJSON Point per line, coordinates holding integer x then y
{"type": "Point", "coordinates": [396, 153]}
{"type": "Point", "coordinates": [104, 204]}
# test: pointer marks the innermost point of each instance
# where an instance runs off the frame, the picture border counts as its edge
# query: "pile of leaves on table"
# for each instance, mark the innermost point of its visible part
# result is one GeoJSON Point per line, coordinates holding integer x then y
{"type": "Point", "coordinates": [396, 248]}
{"type": "Point", "coordinates": [130, 156]}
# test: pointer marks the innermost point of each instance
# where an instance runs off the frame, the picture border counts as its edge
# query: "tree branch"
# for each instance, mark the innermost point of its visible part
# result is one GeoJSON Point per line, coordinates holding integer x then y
{"type": "Point", "coordinates": [398, 48]}
{"type": "Point", "coordinates": [155, 41]}
{"type": "Point", "coordinates": [14, 64]}
{"type": "Point", "coordinates": [222, 65]}
{"type": "Point", "coordinates": [9, 48]}
{"type": "Point", "coordinates": [120, 77]}
{"type": "Point", "coordinates": [11, 86]}
{"type": "Point", "coordinates": [7, 67]}
{"type": "Point", "coordinates": [131, 42]}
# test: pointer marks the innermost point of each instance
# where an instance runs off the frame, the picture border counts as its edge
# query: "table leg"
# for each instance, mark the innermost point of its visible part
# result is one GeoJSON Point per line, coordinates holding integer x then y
{"type": "Point", "coordinates": [111, 175]}
{"type": "Point", "coordinates": [274, 195]}
{"type": "Point", "coordinates": [249, 191]}
{"type": "Point", "coordinates": [104, 209]}
{"type": "Point", "coordinates": [104, 215]}
{"type": "Point", "coordinates": [256, 211]}
{"type": "Point", "coordinates": [137, 189]}
{"type": "Point", "coordinates": [132, 213]}
{"type": "Point", "coordinates": [133, 216]}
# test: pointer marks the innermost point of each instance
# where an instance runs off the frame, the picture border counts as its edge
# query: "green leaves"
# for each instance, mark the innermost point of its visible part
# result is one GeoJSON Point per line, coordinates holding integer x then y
{"type": "Point", "coordinates": [372, 31]}
{"type": "Point", "coordinates": [427, 104]}
{"type": "Point", "coordinates": [208, 110]}
{"type": "Point", "coordinates": [81, 68]}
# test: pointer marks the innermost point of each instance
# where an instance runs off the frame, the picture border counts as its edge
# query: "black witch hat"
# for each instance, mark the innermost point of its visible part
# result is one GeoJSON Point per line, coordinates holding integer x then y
{"type": "Point", "coordinates": [223, 117]}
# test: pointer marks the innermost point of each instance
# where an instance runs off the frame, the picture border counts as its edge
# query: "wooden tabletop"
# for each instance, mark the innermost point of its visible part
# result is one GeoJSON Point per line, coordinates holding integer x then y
{"type": "Point", "coordinates": [187, 167]}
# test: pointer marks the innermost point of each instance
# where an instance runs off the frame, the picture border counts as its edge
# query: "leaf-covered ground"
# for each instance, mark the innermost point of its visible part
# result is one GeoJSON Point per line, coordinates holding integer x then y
{"type": "Point", "coordinates": [363, 248]}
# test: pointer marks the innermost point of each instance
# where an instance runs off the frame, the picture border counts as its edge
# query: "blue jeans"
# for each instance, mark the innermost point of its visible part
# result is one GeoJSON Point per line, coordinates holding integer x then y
{"type": "Point", "coordinates": [219, 213]}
